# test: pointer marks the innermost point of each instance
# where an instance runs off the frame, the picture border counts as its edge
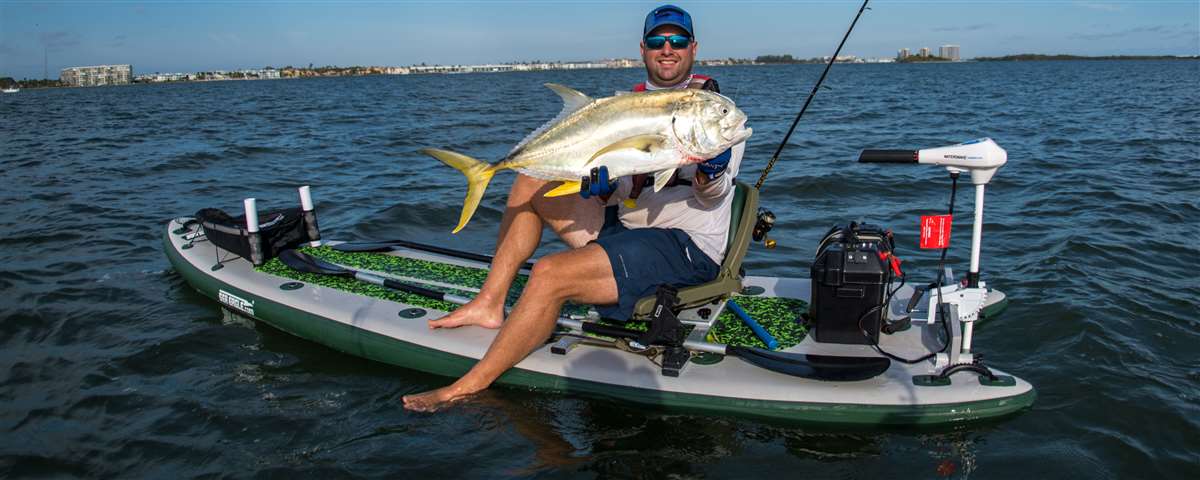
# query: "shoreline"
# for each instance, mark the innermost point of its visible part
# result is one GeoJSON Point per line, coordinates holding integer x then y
{"type": "Point", "coordinates": [1006, 59]}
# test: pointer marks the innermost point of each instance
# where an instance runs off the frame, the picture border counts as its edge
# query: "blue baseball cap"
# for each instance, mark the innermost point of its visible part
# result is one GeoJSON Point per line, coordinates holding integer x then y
{"type": "Point", "coordinates": [668, 15]}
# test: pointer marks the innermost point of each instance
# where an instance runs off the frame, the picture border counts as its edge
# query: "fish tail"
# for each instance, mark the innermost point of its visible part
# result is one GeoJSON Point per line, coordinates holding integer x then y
{"type": "Point", "coordinates": [478, 174]}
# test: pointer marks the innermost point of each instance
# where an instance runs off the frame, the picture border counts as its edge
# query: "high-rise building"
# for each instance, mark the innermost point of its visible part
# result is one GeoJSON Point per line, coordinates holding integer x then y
{"type": "Point", "coordinates": [924, 52]}
{"type": "Point", "coordinates": [903, 54]}
{"type": "Point", "coordinates": [949, 51]}
{"type": "Point", "coordinates": [97, 75]}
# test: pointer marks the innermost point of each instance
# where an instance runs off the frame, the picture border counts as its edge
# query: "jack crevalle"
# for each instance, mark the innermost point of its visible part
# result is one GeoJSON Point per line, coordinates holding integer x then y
{"type": "Point", "coordinates": [656, 131]}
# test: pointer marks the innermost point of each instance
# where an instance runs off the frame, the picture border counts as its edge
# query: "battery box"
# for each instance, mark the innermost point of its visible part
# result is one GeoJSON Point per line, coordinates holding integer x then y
{"type": "Point", "coordinates": [850, 278]}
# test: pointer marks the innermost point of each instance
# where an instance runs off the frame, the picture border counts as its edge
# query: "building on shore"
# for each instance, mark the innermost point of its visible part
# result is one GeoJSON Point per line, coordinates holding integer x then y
{"type": "Point", "coordinates": [923, 52]}
{"type": "Point", "coordinates": [949, 52]}
{"type": "Point", "coordinates": [624, 63]}
{"type": "Point", "coordinates": [903, 54]}
{"type": "Point", "coordinates": [97, 75]}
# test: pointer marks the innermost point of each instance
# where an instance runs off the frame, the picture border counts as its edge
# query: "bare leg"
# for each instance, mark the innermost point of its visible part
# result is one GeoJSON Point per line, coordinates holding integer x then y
{"type": "Point", "coordinates": [576, 220]}
{"type": "Point", "coordinates": [582, 275]}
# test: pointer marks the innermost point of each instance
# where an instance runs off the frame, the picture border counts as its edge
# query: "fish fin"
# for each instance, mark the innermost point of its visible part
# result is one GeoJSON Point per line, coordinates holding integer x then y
{"type": "Point", "coordinates": [630, 203]}
{"type": "Point", "coordinates": [646, 143]}
{"type": "Point", "coordinates": [478, 174]}
{"type": "Point", "coordinates": [661, 178]}
{"type": "Point", "coordinates": [573, 100]}
{"type": "Point", "coordinates": [567, 188]}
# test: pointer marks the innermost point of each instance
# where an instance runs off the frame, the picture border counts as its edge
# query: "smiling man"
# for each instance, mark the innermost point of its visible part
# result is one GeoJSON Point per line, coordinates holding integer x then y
{"type": "Point", "coordinates": [669, 67]}
{"type": "Point", "coordinates": [625, 240]}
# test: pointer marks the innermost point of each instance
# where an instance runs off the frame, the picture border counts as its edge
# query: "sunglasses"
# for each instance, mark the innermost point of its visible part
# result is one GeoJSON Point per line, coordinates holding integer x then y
{"type": "Point", "coordinates": [678, 42]}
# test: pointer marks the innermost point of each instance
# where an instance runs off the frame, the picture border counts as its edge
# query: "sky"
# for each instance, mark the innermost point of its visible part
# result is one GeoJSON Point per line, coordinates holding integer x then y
{"type": "Point", "coordinates": [193, 35]}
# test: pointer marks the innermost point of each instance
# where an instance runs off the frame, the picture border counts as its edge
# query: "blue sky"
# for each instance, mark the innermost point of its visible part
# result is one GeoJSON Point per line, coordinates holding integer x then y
{"type": "Point", "coordinates": [185, 36]}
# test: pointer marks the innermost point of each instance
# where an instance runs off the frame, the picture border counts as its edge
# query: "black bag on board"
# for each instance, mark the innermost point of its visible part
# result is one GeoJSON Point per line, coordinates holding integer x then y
{"type": "Point", "coordinates": [278, 231]}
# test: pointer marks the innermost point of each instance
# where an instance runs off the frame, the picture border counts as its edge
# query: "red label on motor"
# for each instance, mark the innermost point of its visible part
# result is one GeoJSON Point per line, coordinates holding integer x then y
{"type": "Point", "coordinates": [935, 231]}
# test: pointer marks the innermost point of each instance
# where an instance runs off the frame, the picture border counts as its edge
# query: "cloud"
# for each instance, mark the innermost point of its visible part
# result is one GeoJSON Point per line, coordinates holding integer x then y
{"type": "Point", "coordinates": [1102, 6]}
{"type": "Point", "coordinates": [965, 28]}
{"type": "Point", "coordinates": [59, 39]}
{"type": "Point", "coordinates": [1163, 30]}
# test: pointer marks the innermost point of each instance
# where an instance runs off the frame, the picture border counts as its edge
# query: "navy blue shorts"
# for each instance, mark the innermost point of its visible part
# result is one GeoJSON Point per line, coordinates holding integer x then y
{"type": "Point", "coordinates": [644, 258]}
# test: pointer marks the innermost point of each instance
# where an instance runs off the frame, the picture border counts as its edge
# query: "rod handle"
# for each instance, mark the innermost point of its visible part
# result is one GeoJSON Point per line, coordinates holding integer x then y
{"type": "Point", "coordinates": [888, 156]}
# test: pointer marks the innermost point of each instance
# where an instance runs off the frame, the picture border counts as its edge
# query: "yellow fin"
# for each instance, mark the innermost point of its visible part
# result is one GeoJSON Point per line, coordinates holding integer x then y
{"type": "Point", "coordinates": [566, 188]}
{"type": "Point", "coordinates": [645, 143]}
{"type": "Point", "coordinates": [630, 203]}
{"type": "Point", "coordinates": [478, 175]}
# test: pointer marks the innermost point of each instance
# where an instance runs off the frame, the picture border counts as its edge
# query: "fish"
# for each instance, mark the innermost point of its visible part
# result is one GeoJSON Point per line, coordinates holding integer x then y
{"type": "Point", "coordinates": [630, 133]}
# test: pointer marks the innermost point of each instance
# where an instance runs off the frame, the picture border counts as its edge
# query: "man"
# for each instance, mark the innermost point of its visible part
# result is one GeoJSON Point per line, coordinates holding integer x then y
{"type": "Point", "coordinates": [620, 250]}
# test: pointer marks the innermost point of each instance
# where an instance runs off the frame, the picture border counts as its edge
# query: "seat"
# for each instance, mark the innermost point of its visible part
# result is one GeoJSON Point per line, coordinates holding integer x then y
{"type": "Point", "coordinates": [742, 216]}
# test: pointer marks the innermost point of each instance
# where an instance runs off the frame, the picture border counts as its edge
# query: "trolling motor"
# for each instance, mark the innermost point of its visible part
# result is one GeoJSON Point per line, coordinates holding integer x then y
{"type": "Point", "coordinates": [981, 159]}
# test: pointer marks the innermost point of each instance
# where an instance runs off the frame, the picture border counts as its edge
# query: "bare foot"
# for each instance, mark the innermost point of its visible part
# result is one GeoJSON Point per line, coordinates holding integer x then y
{"type": "Point", "coordinates": [435, 400]}
{"type": "Point", "coordinates": [477, 312]}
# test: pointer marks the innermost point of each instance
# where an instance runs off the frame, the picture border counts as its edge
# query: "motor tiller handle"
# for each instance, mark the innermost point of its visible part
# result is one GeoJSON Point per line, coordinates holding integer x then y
{"type": "Point", "coordinates": [888, 156]}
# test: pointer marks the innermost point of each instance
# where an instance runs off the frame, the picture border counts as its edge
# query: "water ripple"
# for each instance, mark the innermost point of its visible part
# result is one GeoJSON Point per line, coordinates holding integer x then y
{"type": "Point", "coordinates": [112, 366]}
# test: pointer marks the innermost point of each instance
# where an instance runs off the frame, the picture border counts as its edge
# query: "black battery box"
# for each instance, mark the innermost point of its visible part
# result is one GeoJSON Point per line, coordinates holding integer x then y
{"type": "Point", "coordinates": [850, 278]}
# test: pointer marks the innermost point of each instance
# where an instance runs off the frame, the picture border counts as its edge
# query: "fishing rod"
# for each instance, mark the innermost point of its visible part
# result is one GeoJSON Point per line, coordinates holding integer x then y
{"type": "Point", "coordinates": [775, 158]}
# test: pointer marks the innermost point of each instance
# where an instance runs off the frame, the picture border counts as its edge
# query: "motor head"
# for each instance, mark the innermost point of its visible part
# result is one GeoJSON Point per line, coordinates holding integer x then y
{"type": "Point", "coordinates": [980, 157]}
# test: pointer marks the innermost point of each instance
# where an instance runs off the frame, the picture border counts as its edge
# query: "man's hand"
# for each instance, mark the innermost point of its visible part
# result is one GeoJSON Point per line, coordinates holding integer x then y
{"type": "Point", "coordinates": [713, 168]}
{"type": "Point", "coordinates": [597, 184]}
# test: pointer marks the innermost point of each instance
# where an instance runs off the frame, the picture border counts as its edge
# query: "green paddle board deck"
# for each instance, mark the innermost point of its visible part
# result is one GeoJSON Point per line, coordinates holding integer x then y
{"type": "Point", "coordinates": [777, 315]}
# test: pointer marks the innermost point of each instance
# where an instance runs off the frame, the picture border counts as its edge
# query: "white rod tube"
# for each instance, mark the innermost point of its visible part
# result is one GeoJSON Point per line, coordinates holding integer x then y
{"type": "Point", "coordinates": [310, 217]}
{"type": "Point", "coordinates": [968, 329]}
{"type": "Point", "coordinates": [306, 199]}
{"type": "Point", "coordinates": [977, 231]}
{"type": "Point", "coordinates": [251, 206]}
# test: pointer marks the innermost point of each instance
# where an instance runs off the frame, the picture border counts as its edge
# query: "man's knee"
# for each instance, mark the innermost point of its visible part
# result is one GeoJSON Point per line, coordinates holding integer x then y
{"type": "Point", "coordinates": [551, 275]}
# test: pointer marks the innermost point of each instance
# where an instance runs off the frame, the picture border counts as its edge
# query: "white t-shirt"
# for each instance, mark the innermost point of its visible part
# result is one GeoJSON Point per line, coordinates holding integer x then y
{"type": "Point", "coordinates": [702, 211]}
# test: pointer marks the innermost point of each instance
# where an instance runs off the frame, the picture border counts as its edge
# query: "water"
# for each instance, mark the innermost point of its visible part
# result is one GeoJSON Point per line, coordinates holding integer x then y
{"type": "Point", "coordinates": [110, 365]}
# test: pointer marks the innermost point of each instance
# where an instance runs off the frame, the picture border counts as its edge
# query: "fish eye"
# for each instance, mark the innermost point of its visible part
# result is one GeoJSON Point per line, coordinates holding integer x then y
{"type": "Point", "coordinates": [724, 111]}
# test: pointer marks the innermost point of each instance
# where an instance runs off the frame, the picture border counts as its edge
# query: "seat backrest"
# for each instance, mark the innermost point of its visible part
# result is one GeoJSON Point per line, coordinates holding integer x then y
{"type": "Point", "coordinates": [743, 214]}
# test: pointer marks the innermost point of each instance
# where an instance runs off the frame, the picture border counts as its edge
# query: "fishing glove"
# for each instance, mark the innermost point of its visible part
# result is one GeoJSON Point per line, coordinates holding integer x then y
{"type": "Point", "coordinates": [714, 167]}
{"type": "Point", "coordinates": [597, 184]}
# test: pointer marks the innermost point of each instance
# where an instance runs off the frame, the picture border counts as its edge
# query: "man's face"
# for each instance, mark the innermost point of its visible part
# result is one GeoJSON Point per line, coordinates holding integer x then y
{"type": "Point", "coordinates": [667, 66]}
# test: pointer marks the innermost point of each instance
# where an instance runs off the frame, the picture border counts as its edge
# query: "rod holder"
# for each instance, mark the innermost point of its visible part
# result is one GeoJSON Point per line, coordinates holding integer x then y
{"type": "Point", "coordinates": [310, 217]}
{"type": "Point", "coordinates": [253, 237]}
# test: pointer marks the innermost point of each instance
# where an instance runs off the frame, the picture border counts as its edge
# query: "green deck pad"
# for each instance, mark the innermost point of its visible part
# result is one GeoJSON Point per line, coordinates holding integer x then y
{"type": "Point", "coordinates": [277, 268]}
{"type": "Point", "coordinates": [401, 266]}
{"type": "Point", "coordinates": [411, 267]}
{"type": "Point", "coordinates": [776, 315]}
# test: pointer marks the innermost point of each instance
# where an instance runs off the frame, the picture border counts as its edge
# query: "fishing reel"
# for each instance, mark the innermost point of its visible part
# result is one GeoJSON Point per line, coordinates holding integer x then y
{"type": "Point", "coordinates": [766, 221]}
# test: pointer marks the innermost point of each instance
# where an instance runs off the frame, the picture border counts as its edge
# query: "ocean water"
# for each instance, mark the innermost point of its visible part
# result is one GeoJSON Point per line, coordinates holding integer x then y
{"type": "Point", "coordinates": [111, 366]}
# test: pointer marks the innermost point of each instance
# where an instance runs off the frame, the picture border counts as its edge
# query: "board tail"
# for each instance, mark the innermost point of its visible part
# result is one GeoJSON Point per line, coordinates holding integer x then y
{"type": "Point", "coordinates": [478, 174]}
